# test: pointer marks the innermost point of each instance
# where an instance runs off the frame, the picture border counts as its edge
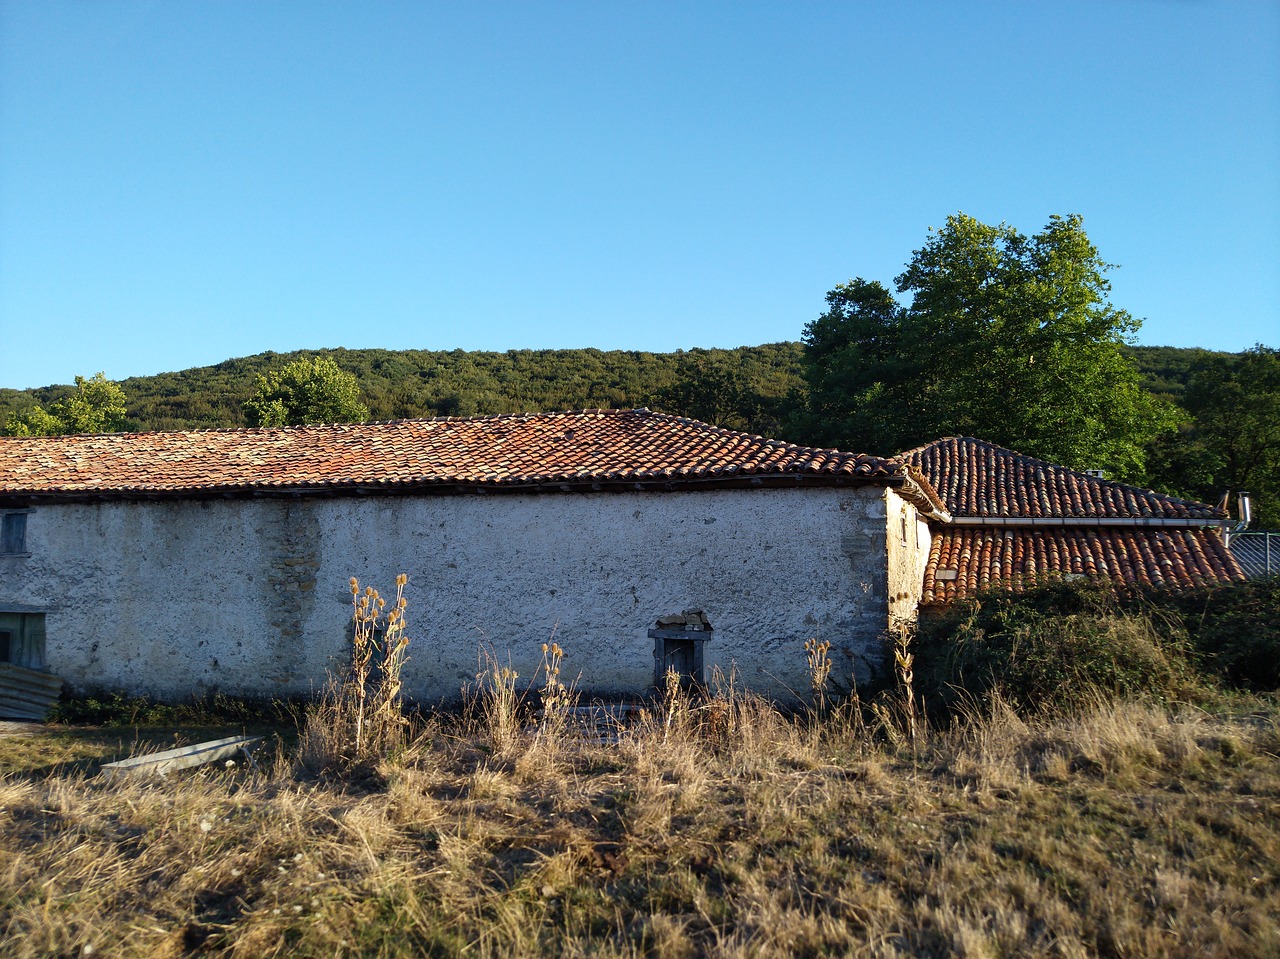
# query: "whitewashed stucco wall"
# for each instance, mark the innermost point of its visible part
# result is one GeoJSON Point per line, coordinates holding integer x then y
{"type": "Point", "coordinates": [907, 549]}
{"type": "Point", "coordinates": [251, 595]}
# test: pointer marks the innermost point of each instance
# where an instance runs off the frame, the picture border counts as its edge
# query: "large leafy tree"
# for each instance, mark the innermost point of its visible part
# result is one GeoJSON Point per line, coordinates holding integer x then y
{"type": "Point", "coordinates": [96, 406]}
{"type": "Point", "coordinates": [861, 375]}
{"type": "Point", "coordinates": [306, 391]}
{"type": "Point", "coordinates": [1233, 440]}
{"type": "Point", "coordinates": [1236, 404]}
{"type": "Point", "coordinates": [707, 387]}
{"type": "Point", "coordinates": [1006, 337]}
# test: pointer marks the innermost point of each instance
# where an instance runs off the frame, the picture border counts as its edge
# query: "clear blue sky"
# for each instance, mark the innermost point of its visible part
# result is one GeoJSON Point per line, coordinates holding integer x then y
{"type": "Point", "coordinates": [185, 182]}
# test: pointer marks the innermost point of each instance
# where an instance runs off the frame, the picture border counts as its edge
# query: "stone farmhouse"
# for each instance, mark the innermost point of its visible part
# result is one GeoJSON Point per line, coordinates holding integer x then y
{"type": "Point", "coordinates": [183, 563]}
{"type": "Point", "coordinates": [172, 563]}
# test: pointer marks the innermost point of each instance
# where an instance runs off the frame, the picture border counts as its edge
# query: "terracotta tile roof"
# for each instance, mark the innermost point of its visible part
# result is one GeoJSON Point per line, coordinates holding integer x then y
{"type": "Point", "coordinates": [975, 478]}
{"type": "Point", "coordinates": [578, 449]}
{"type": "Point", "coordinates": [966, 559]}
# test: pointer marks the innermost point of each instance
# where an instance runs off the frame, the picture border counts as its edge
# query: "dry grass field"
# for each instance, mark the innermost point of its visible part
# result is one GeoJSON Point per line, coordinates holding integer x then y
{"type": "Point", "coordinates": [728, 829]}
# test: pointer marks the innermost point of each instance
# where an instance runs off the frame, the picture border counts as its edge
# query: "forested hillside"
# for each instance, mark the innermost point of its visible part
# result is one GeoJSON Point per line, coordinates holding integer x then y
{"type": "Point", "coordinates": [759, 389]}
{"type": "Point", "coordinates": [1166, 370]}
{"type": "Point", "coordinates": [744, 388]}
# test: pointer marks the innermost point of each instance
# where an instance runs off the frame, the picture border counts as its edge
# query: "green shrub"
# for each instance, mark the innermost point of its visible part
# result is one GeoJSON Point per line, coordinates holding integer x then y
{"type": "Point", "coordinates": [1052, 649]}
{"type": "Point", "coordinates": [114, 708]}
{"type": "Point", "coordinates": [1234, 628]}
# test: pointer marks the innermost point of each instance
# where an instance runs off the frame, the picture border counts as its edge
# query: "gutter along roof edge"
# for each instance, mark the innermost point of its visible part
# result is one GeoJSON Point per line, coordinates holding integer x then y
{"type": "Point", "coordinates": [21, 498]}
{"type": "Point", "coordinates": [1193, 522]}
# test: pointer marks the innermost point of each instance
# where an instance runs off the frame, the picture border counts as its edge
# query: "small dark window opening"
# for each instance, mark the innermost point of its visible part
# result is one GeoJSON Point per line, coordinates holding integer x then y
{"type": "Point", "coordinates": [13, 533]}
{"type": "Point", "coordinates": [22, 638]}
{"type": "Point", "coordinates": [678, 654]}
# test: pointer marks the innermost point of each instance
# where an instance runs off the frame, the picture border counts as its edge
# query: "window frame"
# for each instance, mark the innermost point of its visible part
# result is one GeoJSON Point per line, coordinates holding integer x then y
{"type": "Point", "coordinates": [21, 537]}
{"type": "Point", "coordinates": [28, 637]}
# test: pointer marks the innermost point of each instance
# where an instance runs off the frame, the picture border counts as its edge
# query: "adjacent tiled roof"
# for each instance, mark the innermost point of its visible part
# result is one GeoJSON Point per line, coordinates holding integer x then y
{"type": "Point", "coordinates": [576, 449]}
{"type": "Point", "coordinates": [1015, 558]}
{"type": "Point", "coordinates": [1084, 533]}
{"type": "Point", "coordinates": [975, 478]}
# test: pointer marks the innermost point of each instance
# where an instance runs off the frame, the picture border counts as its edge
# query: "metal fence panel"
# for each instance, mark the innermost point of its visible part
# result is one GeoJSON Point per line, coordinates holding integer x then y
{"type": "Point", "coordinates": [1257, 553]}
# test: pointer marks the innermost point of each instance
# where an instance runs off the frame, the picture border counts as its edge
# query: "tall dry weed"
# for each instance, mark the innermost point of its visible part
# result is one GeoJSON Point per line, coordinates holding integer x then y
{"type": "Point", "coordinates": [526, 722]}
{"type": "Point", "coordinates": [497, 702]}
{"type": "Point", "coordinates": [360, 716]}
{"type": "Point", "coordinates": [896, 710]}
{"type": "Point", "coordinates": [904, 665]}
{"type": "Point", "coordinates": [676, 707]}
{"type": "Point", "coordinates": [818, 660]}
{"type": "Point", "coordinates": [557, 699]}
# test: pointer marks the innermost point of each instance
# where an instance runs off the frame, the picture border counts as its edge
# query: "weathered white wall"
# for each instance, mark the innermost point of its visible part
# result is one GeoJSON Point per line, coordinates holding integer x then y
{"type": "Point", "coordinates": [251, 596]}
{"type": "Point", "coordinates": [907, 541]}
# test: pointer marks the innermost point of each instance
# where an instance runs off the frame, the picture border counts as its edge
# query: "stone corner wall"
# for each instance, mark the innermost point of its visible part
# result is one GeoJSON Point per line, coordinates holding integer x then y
{"type": "Point", "coordinates": [907, 553]}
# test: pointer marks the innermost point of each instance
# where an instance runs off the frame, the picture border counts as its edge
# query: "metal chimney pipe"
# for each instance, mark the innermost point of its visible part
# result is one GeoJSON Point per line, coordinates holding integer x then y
{"type": "Point", "coordinates": [1244, 509]}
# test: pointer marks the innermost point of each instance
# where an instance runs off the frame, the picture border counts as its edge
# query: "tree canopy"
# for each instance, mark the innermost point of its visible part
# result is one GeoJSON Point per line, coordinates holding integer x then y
{"type": "Point", "coordinates": [96, 406]}
{"type": "Point", "coordinates": [1236, 404]}
{"type": "Point", "coordinates": [304, 392]}
{"type": "Point", "coordinates": [1006, 337]}
{"type": "Point", "coordinates": [1231, 441]}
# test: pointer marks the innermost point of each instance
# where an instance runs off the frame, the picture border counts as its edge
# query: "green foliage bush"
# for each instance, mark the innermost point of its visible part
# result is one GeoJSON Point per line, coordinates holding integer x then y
{"type": "Point", "coordinates": [1234, 628]}
{"type": "Point", "coordinates": [96, 406]}
{"type": "Point", "coordinates": [1053, 649]}
{"type": "Point", "coordinates": [306, 391]}
{"type": "Point", "coordinates": [113, 708]}
{"type": "Point", "coordinates": [1062, 645]}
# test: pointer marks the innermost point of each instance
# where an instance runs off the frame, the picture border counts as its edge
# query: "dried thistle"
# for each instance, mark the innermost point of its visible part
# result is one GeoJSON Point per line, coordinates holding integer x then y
{"type": "Point", "coordinates": [557, 698]}
{"type": "Point", "coordinates": [818, 659]}
{"type": "Point", "coordinates": [904, 661]}
{"type": "Point", "coordinates": [379, 644]}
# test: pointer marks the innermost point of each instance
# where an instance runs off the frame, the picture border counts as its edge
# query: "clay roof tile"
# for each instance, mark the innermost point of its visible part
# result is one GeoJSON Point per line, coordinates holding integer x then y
{"type": "Point", "coordinates": [976, 478]}
{"type": "Point", "coordinates": [578, 449]}
{"type": "Point", "coordinates": [1179, 558]}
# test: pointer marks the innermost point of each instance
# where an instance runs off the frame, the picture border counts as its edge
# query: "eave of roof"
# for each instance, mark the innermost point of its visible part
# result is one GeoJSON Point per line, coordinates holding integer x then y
{"type": "Point", "coordinates": [432, 488]}
{"type": "Point", "coordinates": [1041, 522]}
{"type": "Point", "coordinates": [964, 561]}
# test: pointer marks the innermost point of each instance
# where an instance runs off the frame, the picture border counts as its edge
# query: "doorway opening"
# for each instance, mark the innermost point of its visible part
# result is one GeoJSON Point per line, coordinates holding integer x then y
{"type": "Point", "coordinates": [679, 645]}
